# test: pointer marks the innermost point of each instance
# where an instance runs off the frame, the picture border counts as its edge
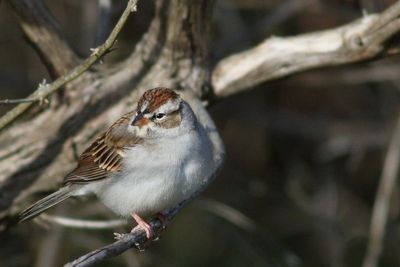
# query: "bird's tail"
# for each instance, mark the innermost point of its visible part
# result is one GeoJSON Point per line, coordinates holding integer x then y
{"type": "Point", "coordinates": [45, 203]}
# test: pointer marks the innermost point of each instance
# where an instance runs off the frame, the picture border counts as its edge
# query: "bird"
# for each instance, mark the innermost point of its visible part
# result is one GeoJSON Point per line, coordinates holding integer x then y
{"type": "Point", "coordinates": [146, 162]}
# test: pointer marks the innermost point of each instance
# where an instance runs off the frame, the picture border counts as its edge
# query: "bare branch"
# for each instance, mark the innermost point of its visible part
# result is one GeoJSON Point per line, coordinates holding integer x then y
{"type": "Point", "coordinates": [124, 242]}
{"type": "Point", "coordinates": [73, 74]}
{"type": "Point", "coordinates": [136, 238]}
{"type": "Point", "coordinates": [42, 160]}
{"type": "Point", "coordinates": [278, 57]}
{"type": "Point", "coordinates": [382, 202]}
{"type": "Point", "coordinates": [228, 213]}
{"type": "Point", "coordinates": [18, 101]}
{"type": "Point", "coordinates": [44, 34]}
{"type": "Point", "coordinates": [81, 224]}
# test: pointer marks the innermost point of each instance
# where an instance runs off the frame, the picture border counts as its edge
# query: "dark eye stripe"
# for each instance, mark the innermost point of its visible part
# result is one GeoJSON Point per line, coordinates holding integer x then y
{"type": "Point", "coordinates": [160, 115]}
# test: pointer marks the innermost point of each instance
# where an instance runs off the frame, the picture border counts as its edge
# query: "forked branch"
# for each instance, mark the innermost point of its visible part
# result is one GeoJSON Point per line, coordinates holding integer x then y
{"type": "Point", "coordinates": [278, 57]}
{"type": "Point", "coordinates": [44, 91]}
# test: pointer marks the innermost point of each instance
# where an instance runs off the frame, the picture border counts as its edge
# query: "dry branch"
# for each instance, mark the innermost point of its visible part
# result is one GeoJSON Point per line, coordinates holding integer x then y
{"type": "Point", "coordinates": [81, 224]}
{"type": "Point", "coordinates": [383, 198]}
{"type": "Point", "coordinates": [124, 242]}
{"type": "Point", "coordinates": [22, 100]}
{"type": "Point", "coordinates": [169, 54]}
{"type": "Point", "coordinates": [278, 57]}
{"type": "Point", "coordinates": [172, 53]}
{"type": "Point", "coordinates": [47, 89]}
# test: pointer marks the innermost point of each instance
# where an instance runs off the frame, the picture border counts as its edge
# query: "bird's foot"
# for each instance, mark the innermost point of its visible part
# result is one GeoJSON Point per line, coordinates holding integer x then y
{"type": "Point", "coordinates": [143, 225]}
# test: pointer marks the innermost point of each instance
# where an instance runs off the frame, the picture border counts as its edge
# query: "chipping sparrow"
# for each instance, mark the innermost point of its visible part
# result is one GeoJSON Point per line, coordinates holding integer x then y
{"type": "Point", "coordinates": [149, 160]}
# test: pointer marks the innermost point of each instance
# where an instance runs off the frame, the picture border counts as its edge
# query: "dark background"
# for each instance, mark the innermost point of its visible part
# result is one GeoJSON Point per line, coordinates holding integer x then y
{"type": "Point", "coordinates": [304, 153]}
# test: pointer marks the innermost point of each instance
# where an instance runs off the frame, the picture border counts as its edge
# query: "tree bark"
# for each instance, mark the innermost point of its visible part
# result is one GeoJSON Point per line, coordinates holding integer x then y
{"type": "Point", "coordinates": [172, 53]}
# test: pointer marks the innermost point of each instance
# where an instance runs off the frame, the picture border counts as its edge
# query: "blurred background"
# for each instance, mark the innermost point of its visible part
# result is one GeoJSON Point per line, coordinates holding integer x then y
{"type": "Point", "coordinates": [304, 153]}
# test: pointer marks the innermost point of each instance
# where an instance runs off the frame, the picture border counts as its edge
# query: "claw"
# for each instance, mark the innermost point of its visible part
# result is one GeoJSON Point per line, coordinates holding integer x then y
{"type": "Point", "coordinates": [142, 225]}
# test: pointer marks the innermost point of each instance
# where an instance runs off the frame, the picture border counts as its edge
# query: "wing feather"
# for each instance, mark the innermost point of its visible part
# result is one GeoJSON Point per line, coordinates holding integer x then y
{"type": "Point", "coordinates": [106, 153]}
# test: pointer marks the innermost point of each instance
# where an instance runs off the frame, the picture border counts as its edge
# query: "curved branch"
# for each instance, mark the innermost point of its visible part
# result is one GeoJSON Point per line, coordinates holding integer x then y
{"type": "Point", "coordinates": [47, 89]}
{"type": "Point", "coordinates": [41, 161]}
{"type": "Point", "coordinates": [81, 224]}
{"type": "Point", "coordinates": [278, 57]}
{"type": "Point", "coordinates": [44, 34]}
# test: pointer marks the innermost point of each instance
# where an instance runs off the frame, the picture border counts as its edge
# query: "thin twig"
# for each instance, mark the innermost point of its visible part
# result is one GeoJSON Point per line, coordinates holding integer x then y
{"type": "Point", "coordinates": [18, 101]}
{"type": "Point", "coordinates": [382, 202]}
{"type": "Point", "coordinates": [76, 72]}
{"type": "Point", "coordinates": [82, 224]}
{"type": "Point", "coordinates": [135, 239]}
{"type": "Point", "coordinates": [228, 213]}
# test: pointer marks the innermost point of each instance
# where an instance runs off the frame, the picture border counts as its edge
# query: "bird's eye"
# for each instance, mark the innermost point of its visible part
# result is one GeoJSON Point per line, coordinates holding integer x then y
{"type": "Point", "coordinates": [159, 116]}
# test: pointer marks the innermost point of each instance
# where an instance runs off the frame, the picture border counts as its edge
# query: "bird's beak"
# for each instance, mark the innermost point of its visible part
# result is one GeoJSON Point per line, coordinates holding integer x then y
{"type": "Point", "coordinates": [139, 120]}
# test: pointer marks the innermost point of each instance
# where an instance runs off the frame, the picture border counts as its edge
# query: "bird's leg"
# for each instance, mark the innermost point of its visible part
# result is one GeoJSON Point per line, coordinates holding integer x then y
{"type": "Point", "coordinates": [143, 225]}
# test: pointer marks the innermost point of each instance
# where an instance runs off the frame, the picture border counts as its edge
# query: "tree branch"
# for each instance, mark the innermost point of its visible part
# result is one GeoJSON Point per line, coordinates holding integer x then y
{"type": "Point", "coordinates": [136, 238]}
{"type": "Point", "coordinates": [81, 224]}
{"type": "Point", "coordinates": [278, 57]}
{"type": "Point", "coordinates": [383, 197]}
{"type": "Point", "coordinates": [22, 100]}
{"type": "Point", "coordinates": [44, 91]}
{"type": "Point", "coordinates": [44, 34]}
{"type": "Point", "coordinates": [42, 160]}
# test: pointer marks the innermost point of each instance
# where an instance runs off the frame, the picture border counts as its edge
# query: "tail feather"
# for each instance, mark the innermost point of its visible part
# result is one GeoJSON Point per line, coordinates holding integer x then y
{"type": "Point", "coordinates": [44, 204]}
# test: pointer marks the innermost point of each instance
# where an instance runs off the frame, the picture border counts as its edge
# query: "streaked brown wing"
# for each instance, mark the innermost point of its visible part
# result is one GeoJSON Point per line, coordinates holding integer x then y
{"type": "Point", "coordinates": [105, 154]}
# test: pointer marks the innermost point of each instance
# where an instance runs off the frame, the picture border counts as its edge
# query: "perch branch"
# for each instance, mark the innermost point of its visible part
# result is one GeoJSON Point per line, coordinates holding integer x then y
{"type": "Point", "coordinates": [382, 202]}
{"type": "Point", "coordinates": [278, 57]}
{"type": "Point", "coordinates": [136, 238]}
{"type": "Point", "coordinates": [125, 241]}
{"type": "Point", "coordinates": [73, 74]}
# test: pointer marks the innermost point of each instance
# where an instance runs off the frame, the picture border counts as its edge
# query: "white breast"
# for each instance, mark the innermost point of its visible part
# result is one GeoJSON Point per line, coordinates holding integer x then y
{"type": "Point", "coordinates": [158, 177]}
